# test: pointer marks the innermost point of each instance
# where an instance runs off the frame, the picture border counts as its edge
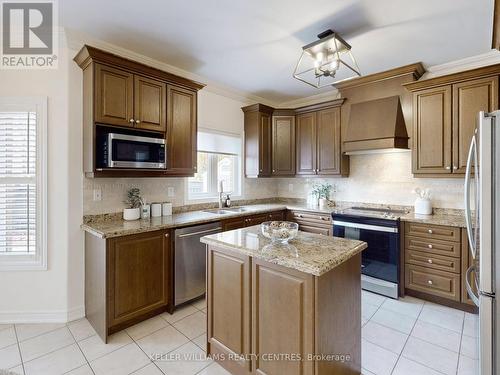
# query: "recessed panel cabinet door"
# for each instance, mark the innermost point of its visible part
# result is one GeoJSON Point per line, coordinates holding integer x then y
{"type": "Point", "coordinates": [469, 98]}
{"type": "Point", "coordinates": [114, 96]}
{"type": "Point", "coordinates": [265, 144]}
{"type": "Point", "coordinates": [329, 141]}
{"type": "Point", "coordinates": [282, 319]}
{"type": "Point", "coordinates": [181, 130]}
{"type": "Point", "coordinates": [306, 144]}
{"type": "Point", "coordinates": [228, 291]}
{"type": "Point", "coordinates": [432, 131]}
{"type": "Point", "coordinates": [137, 275]}
{"type": "Point", "coordinates": [150, 109]}
{"type": "Point", "coordinates": [283, 149]}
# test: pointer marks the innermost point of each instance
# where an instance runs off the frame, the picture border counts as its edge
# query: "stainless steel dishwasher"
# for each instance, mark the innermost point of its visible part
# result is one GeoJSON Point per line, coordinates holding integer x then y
{"type": "Point", "coordinates": [190, 261]}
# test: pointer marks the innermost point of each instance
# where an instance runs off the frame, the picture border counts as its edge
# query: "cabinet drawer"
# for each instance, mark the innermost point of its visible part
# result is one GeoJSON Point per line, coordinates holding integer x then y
{"type": "Point", "coordinates": [313, 229]}
{"type": "Point", "coordinates": [432, 246]}
{"type": "Point", "coordinates": [438, 232]}
{"type": "Point", "coordinates": [427, 280]}
{"type": "Point", "coordinates": [278, 216]}
{"type": "Point", "coordinates": [312, 217]}
{"type": "Point", "coordinates": [438, 262]}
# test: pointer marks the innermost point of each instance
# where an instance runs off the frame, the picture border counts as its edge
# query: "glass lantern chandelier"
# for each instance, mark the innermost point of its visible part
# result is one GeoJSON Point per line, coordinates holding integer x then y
{"type": "Point", "coordinates": [326, 62]}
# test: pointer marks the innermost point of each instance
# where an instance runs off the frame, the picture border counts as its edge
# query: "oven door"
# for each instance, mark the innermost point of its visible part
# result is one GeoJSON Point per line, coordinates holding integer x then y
{"type": "Point", "coordinates": [381, 259]}
{"type": "Point", "coordinates": [128, 151]}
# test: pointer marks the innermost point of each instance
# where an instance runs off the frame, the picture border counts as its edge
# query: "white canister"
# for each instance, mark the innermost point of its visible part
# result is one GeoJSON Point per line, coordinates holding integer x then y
{"type": "Point", "coordinates": [155, 209]}
{"type": "Point", "coordinates": [423, 206]}
{"type": "Point", "coordinates": [323, 203]}
{"type": "Point", "coordinates": [146, 211]}
{"type": "Point", "coordinates": [167, 209]}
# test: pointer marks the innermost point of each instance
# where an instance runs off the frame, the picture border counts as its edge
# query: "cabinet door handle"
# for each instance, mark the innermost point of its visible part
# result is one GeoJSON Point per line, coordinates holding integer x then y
{"type": "Point", "coordinates": [448, 167]}
{"type": "Point", "coordinates": [131, 120]}
{"type": "Point", "coordinates": [429, 282]}
{"type": "Point", "coordinates": [167, 235]}
{"type": "Point", "coordinates": [137, 121]}
{"type": "Point", "coordinates": [430, 231]}
{"type": "Point", "coordinates": [429, 261]}
{"type": "Point", "coordinates": [455, 167]}
{"type": "Point", "coordinates": [429, 246]}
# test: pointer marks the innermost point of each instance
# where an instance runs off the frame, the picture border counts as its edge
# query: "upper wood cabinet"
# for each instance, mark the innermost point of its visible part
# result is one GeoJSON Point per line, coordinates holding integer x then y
{"type": "Point", "coordinates": [258, 140]}
{"type": "Point", "coordinates": [319, 142]}
{"type": "Point", "coordinates": [181, 131]}
{"type": "Point", "coordinates": [283, 147]}
{"type": "Point", "coordinates": [114, 96]}
{"type": "Point", "coordinates": [132, 98]}
{"type": "Point", "coordinates": [445, 116]}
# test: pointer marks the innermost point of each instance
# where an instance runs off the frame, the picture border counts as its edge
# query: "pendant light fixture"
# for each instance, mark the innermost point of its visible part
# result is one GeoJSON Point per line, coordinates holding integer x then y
{"type": "Point", "coordinates": [326, 61]}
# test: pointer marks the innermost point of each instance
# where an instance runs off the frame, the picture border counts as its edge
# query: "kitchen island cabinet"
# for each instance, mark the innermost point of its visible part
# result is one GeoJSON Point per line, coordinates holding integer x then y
{"type": "Point", "coordinates": [293, 309]}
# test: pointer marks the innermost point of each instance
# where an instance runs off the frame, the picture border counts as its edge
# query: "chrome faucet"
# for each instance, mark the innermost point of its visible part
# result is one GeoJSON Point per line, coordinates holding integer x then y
{"type": "Point", "coordinates": [221, 202]}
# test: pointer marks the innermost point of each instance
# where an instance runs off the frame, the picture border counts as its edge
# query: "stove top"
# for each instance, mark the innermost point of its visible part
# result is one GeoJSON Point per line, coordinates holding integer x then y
{"type": "Point", "coordinates": [380, 213]}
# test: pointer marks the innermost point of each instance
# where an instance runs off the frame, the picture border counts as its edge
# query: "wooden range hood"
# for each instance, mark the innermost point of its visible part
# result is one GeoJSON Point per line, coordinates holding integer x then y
{"type": "Point", "coordinates": [376, 126]}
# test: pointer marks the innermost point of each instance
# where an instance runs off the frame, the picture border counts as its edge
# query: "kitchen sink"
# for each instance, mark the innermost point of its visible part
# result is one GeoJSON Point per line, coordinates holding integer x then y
{"type": "Point", "coordinates": [217, 211]}
{"type": "Point", "coordinates": [236, 209]}
{"type": "Point", "coordinates": [223, 211]}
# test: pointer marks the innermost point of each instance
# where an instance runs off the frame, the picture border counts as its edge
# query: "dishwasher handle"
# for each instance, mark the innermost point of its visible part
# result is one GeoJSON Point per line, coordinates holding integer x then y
{"type": "Point", "coordinates": [218, 229]}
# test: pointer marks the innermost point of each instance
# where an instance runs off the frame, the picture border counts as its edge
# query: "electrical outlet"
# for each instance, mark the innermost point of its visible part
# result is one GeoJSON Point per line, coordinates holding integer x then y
{"type": "Point", "coordinates": [290, 187]}
{"type": "Point", "coordinates": [171, 192]}
{"type": "Point", "coordinates": [97, 194]}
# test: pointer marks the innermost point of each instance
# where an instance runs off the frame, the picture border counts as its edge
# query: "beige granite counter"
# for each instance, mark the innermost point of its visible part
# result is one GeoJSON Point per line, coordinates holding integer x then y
{"type": "Point", "coordinates": [310, 253]}
{"type": "Point", "coordinates": [112, 225]}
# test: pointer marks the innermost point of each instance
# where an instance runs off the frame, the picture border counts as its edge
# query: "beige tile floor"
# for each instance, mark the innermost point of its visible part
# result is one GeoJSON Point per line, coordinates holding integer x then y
{"type": "Point", "coordinates": [405, 337]}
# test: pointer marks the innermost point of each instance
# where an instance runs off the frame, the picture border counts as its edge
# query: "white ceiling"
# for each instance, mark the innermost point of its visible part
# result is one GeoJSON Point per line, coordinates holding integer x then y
{"type": "Point", "coordinates": [253, 45]}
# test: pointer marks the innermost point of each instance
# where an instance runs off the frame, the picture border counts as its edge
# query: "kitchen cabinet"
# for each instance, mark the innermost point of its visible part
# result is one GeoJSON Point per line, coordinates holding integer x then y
{"type": "Point", "coordinates": [127, 279]}
{"type": "Point", "coordinates": [258, 140]}
{"type": "Point", "coordinates": [247, 221]}
{"type": "Point", "coordinates": [283, 146]}
{"type": "Point", "coordinates": [124, 96]}
{"type": "Point", "coordinates": [312, 222]}
{"type": "Point", "coordinates": [436, 258]}
{"type": "Point", "coordinates": [130, 100]}
{"type": "Point", "coordinates": [319, 142]}
{"type": "Point", "coordinates": [445, 115]}
{"type": "Point", "coordinates": [181, 131]}
{"type": "Point", "coordinates": [257, 309]}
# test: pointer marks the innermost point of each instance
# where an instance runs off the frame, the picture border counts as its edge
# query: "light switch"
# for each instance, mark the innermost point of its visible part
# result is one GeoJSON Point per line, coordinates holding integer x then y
{"type": "Point", "coordinates": [171, 192]}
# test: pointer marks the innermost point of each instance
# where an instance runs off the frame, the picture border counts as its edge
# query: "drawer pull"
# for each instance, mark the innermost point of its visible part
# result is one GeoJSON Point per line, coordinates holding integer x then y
{"type": "Point", "coordinates": [429, 282]}
{"type": "Point", "coordinates": [429, 246]}
{"type": "Point", "coordinates": [429, 261]}
{"type": "Point", "coordinates": [166, 234]}
{"type": "Point", "coordinates": [299, 215]}
{"type": "Point", "coordinates": [430, 231]}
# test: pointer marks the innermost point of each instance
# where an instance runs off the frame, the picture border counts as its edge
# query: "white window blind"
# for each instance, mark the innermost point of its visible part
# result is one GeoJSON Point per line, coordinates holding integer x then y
{"type": "Point", "coordinates": [22, 183]}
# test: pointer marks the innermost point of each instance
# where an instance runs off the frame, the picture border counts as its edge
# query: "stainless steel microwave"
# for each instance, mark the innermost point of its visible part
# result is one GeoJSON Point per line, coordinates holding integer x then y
{"type": "Point", "coordinates": [129, 151]}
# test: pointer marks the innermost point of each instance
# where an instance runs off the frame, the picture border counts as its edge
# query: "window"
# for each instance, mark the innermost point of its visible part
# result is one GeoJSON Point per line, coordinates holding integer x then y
{"type": "Point", "coordinates": [22, 183]}
{"type": "Point", "coordinates": [219, 159]}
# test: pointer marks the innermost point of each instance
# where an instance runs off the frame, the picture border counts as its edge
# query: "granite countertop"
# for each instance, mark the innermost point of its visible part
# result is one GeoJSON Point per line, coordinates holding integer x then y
{"type": "Point", "coordinates": [310, 253]}
{"type": "Point", "coordinates": [108, 226]}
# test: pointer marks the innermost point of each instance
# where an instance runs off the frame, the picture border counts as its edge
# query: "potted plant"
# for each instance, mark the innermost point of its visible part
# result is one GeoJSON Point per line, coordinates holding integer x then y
{"type": "Point", "coordinates": [322, 193]}
{"type": "Point", "coordinates": [134, 202]}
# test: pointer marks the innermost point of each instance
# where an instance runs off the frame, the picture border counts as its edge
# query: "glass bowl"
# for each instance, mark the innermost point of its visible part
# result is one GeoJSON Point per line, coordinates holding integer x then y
{"type": "Point", "coordinates": [279, 231]}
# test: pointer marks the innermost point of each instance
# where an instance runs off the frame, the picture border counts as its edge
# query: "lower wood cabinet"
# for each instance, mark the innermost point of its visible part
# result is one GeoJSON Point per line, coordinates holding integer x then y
{"type": "Point", "coordinates": [248, 221]}
{"type": "Point", "coordinates": [436, 260]}
{"type": "Point", "coordinates": [127, 279]}
{"type": "Point", "coordinates": [259, 312]}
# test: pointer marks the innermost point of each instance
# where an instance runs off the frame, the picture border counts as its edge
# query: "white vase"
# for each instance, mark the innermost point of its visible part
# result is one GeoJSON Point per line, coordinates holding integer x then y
{"type": "Point", "coordinates": [323, 203]}
{"type": "Point", "coordinates": [423, 206]}
{"type": "Point", "coordinates": [131, 213]}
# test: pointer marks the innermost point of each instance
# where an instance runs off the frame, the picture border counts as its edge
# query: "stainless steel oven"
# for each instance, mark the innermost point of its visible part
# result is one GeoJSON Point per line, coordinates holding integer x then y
{"type": "Point", "coordinates": [130, 151]}
{"type": "Point", "coordinates": [380, 261]}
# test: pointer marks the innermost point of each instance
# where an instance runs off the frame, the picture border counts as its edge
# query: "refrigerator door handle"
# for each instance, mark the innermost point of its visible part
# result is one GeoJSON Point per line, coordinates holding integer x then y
{"type": "Point", "coordinates": [470, 291]}
{"type": "Point", "coordinates": [468, 213]}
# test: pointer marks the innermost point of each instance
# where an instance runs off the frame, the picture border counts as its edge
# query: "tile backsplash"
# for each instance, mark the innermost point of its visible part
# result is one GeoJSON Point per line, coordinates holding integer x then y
{"type": "Point", "coordinates": [375, 178]}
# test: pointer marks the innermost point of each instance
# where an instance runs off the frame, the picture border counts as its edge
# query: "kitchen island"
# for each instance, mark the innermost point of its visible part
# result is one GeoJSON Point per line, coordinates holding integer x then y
{"type": "Point", "coordinates": [284, 309]}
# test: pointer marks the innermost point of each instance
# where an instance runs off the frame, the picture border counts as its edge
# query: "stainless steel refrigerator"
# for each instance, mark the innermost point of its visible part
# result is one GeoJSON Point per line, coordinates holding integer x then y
{"type": "Point", "coordinates": [482, 212]}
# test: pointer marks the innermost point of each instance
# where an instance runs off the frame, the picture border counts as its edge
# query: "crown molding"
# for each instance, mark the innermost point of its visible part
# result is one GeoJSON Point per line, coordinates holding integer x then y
{"type": "Point", "coordinates": [313, 99]}
{"type": "Point", "coordinates": [489, 58]}
{"type": "Point", "coordinates": [76, 40]}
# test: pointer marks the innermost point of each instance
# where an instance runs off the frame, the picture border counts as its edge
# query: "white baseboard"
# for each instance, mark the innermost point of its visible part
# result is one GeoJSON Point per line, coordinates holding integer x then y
{"type": "Point", "coordinates": [53, 316]}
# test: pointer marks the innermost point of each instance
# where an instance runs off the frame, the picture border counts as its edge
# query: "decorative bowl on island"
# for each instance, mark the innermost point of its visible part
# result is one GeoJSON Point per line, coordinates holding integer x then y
{"type": "Point", "coordinates": [279, 231]}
